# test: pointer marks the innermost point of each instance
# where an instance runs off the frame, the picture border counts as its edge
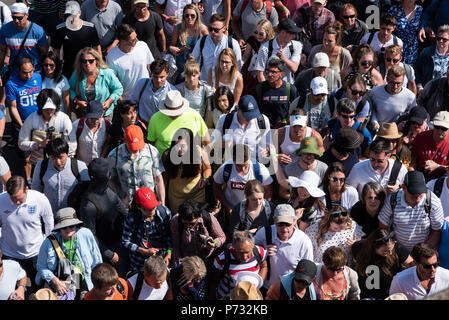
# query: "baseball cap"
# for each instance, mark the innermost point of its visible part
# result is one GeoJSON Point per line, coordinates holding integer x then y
{"type": "Point", "coordinates": [72, 7]}
{"type": "Point", "coordinates": [19, 7]}
{"type": "Point", "coordinates": [146, 198]}
{"type": "Point", "coordinates": [415, 182]}
{"type": "Point", "coordinates": [320, 60]}
{"type": "Point", "coordinates": [134, 138]}
{"type": "Point", "coordinates": [305, 271]}
{"type": "Point", "coordinates": [49, 104]}
{"type": "Point", "coordinates": [417, 114]}
{"type": "Point", "coordinates": [319, 1]}
{"type": "Point", "coordinates": [441, 119]}
{"type": "Point", "coordinates": [248, 106]}
{"type": "Point", "coordinates": [298, 120]}
{"type": "Point", "coordinates": [288, 25]}
{"type": "Point", "coordinates": [284, 213]}
{"type": "Point", "coordinates": [94, 109]}
{"type": "Point", "coordinates": [318, 85]}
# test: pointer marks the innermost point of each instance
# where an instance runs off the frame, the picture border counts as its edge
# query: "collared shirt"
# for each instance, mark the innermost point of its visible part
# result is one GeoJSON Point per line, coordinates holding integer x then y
{"type": "Point", "coordinates": [412, 225]}
{"type": "Point", "coordinates": [150, 100]}
{"type": "Point", "coordinates": [138, 172]}
{"type": "Point", "coordinates": [288, 253]}
{"type": "Point", "coordinates": [314, 26]}
{"type": "Point", "coordinates": [211, 51]}
{"type": "Point", "coordinates": [58, 184]}
{"type": "Point", "coordinates": [174, 8]}
{"type": "Point", "coordinates": [22, 225]}
{"type": "Point", "coordinates": [408, 283]}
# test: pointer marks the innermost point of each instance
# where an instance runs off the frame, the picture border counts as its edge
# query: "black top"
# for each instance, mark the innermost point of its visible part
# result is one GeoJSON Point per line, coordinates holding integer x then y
{"type": "Point", "coordinates": [349, 163]}
{"type": "Point", "coordinates": [248, 223]}
{"type": "Point", "coordinates": [383, 290]}
{"type": "Point", "coordinates": [362, 217]}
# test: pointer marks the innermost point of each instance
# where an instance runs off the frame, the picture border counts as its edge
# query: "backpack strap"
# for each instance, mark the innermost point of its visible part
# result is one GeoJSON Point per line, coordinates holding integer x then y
{"type": "Point", "coordinates": [256, 254]}
{"type": "Point", "coordinates": [207, 220]}
{"type": "Point", "coordinates": [75, 169]}
{"type": "Point", "coordinates": [256, 167]}
{"type": "Point", "coordinates": [371, 37]}
{"type": "Point", "coordinates": [282, 132]}
{"type": "Point", "coordinates": [428, 203]}
{"type": "Point", "coordinates": [244, 4]}
{"type": "Point", "coordinates": [270, 49]}
{"type": "Point", "coordinates": [395, 172]}
{"type": "Point", "coordinates": [138, 288]}
{"type": "Point", "coordinates": [92, 199]}
{"type": "Point", "coordinates": [2, 15]}
{"type": "Point", "coordinates": [438, 187]}
{"type": "Point", "coordinates": [80, 127]}
{"type": "Point", "coordinates": [56, 246]}
{"type": "Point", "coordinates": [143, 89]}
{"type": "Point", "coordinates": [288, 87]}
{"type": "Point", "coordinates": [227, 122]}
{"type": "Point", "coordinates": [268, 238]}
{"type": "Point", "coordinates": [408, 71]}
{"type": "Point", "coordinates": [259, 93]}
{"type": "Point", "coordinates": [44, 166]}
{"type": "Point", "coordinates": [121, 289]}
{"type": "Point", "coordinates": [202, 43]}
{"type": "Point", "coordinates": [393, 202]}
{"type": "Point", "coordinates": [395, 40]}
{"type": "Point", "coordinates": [227, 172]}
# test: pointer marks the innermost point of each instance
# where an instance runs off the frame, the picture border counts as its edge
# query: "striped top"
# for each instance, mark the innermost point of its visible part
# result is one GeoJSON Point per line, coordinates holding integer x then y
{"type": "Point", "coordinates": [49, 6]}
{"type": "Point", "coordinates": [412, 225]}
{"type": "Point", "coordinates": [227, 283]}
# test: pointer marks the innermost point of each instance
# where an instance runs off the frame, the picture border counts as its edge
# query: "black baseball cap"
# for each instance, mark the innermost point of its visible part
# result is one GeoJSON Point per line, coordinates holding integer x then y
{"type": "Point", "coordinates": [415, 182]}
{"type": "Point", "coordinates": [288, 25]}
{"type": "Point", "coordinates": [417, 114]}
{"type": "Point", "coordinates": [94, 109]}
{"type": "Point", "coordinates": [305, 271]}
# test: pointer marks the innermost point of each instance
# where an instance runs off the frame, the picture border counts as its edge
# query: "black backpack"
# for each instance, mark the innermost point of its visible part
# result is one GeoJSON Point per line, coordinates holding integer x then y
{"type": "Point", "coordinates": [227, 261]}
{"type": "Point", "coordinates": [203, 42]}
{"type": "Point", "coordinates": [438, 186]}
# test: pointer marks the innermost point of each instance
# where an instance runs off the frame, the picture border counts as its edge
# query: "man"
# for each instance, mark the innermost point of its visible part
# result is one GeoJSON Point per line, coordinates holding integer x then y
{"type": "Point", "coordinates": [106, 15]}
{"type": "Point", "coordinates": [435, 13]}
{"type": "Point", "coordinates": [175, 113]}
{"type": "Point", "coordinates": [14, 280]}
{"type": "Point", "coordinates": [148, 93]}
{"type": "Point", "coordinates": [206, 51]}
{"type": "Point", "coordinates": [130, 59]}
{"type": "Point", "coordinates": [106, 284]}
{"type": "Point", "coordinates": [320, 68]}
{"type": "Point", "coordinates": [103, 212]}
{"type": "Point", "coordinates": [73, 35]}
{"type": "Point", "coordinates": [424, 279]}
{"type": "Point", "coordinates": [247, 14]}
{"type": "Point", "coordinates": [21, 91]}
{"type": "Point", "coordinates": [151, 283]}
{"type": "Point", "coordinates": [430, 148]}
{"type": "Point", "coordinates": [48, 14]}
{"type": "Point", "coordinates": [136, 164]}
{"type": "Point", "coordinates": [378, 168]}
{"type": "Point", "coordinates": [243, 255]}
{"type": "Point", "coordinates": [274, 94]}
{"type": "Point", "coordinates": [393, 57]}
{"type": "Point", "coordinates": [283, 47]}
{"type": "Point", "coordinates": [148, 26]}
{"type": "Point", "coordinates": [391, 100]}
{"type": "Point", "coordinates": [434, 95]}
{"type": "Point", "coordinates": [415, 213]}
{"type": "Point", "coordinates": [26, 218]}
{"type": "Point", "coordinates": [247, 126]}
{"type": "Point", "coordinates": [146, 231]}
{"type": "Point", "coordinates": [59, 176]}
{"type": "Point", "coordinates": [314, 19]}
{"type": "Point", "coordinates": [296, 285]}
{"type": "Point", "coordinates": [287, 246]}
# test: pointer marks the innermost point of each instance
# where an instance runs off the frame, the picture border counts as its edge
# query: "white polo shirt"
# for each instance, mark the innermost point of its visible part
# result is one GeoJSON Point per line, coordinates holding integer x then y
{"type": "Point", "coordinates": [363, 173]}
{"type": "Point", "coordinates": [21, 225]}
{"type": "Point", "coordinates": [288, 254]}
{"type": "Point", "coordinates": [408, 283]}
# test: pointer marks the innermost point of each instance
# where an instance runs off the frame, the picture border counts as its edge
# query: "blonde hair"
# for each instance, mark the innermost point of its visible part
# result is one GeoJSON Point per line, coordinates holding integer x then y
{"type": "Point", "coordinates": [395, 71]}
{"type": "Point", "coordinates": [193, 267]}
{"type": "Point", "coordinates": [191, 67]}
{"type": "Point", "coordinates": [325, 222]}
{"type": "Point", "coordinates": [100, 64]}
{"type": "Point", "coordinates": [268, 27]}
{"type": "Point", "coordinates": [394, 49]}
{"type": "Point", "coordinates": [234, 69]}
{"type": "Point", "coordinates": [198, 24]}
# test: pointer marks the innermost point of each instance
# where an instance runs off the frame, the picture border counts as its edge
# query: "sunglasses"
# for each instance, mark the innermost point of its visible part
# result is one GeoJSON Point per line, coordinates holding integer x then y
{"type": "Point", "coordinates": [428, 266]}
{"type": "Point", "coordinates": [272, 71]}
{"type": "Point", "coordinates": [367, 63]}
{"type": "Point", "coordinates": [345, 116]}
{"type": "Point", "coordinates": [343, 213]}
{"type": "Point", "coordinates": [51, 65]}
{"type": "Point", "coordinates": [438, 38]}
{"type": "Point", "coordinates": [257, 33]}
{"type": "Point", "coordinates": [192, 16]}
{"type": "Point", "coordinates": [17, 17]}
{"type": "Point", "coordinates": [336, 269]}
{"type": "Point", "coordinates": [84, 61]}
{"type": "Point", "coordinates": [283, 224]}
{"type": "Point", "coordinates": [440, 128]}
{"type": "Point", "coordinates": [391, 59]}
{"type": "Point", "coordinates": [352, 16]}
{"type": "Point", "coordinates": [335, 179]}
{"type": "Point", "coordinates": [216, 30]}
{"type": "Point", "coordinates": [357, 93]}
{"type": "Point", "coordinates": [386, 238]}
{"type": "Point", "coordinates": [377, 160]}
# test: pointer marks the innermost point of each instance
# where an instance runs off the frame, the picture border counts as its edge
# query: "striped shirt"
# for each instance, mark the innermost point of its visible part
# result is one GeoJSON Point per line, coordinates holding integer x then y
{"type": "Point", "coordinates": [49, 6]}
{"type": "Point", "coordinates": [412, 225]}
{"type": "Point", "coordinates": [227, 283]}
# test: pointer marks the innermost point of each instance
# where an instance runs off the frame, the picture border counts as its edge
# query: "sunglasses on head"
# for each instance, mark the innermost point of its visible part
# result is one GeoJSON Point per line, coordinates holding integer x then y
{"type": "Point", "coordinates": [352, 16]}
{"type": "Point", "coordinates": [357, 93]}
{"type": "Point", "coordinates": [391, 59]}
{"type": "Point", "coordinates": [343, 213]}
{"type": "Point", "coordinates": [216, 30]}
{"type": "Point", "coordinates": [386, 237]}
{"type": "Point", "coordinates": [428, 266]}
{"type": "Point", "coordinates": [335, 179]}
{"type": "Point", "coordinates": [87, 60]}
{"type": "Point", "coordinates": [367, 63]}
{"type": "Point", "coordinates": [440, 128]}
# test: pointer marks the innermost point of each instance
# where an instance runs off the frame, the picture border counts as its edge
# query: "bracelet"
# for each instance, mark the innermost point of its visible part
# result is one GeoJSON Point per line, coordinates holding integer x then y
{"type": "Point", "coordinates": [169, 250]}
{"type": "Point", "coordinates": [166, 18]}
{"type": "Point", "coordinates": [205, 178]}
{"type": "Point", "coordinates": [284, 8]}
{"type": "Point", "coordinates": [216, 243]}
{"type": "Point", "coordinates": [273, 155]}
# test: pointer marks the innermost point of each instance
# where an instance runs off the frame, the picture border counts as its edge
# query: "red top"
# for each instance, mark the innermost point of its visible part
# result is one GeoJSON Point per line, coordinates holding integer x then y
{"type": "Point", "coordinates": [424, 148]}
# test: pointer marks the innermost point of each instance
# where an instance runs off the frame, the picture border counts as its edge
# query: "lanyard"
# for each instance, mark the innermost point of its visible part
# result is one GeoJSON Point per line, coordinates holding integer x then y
{"type": "Point", "coordinates": [309, 118]}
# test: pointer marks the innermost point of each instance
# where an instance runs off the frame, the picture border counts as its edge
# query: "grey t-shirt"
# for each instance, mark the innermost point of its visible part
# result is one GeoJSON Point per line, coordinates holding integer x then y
{"type": "Point", "coordinates": [293, 169]}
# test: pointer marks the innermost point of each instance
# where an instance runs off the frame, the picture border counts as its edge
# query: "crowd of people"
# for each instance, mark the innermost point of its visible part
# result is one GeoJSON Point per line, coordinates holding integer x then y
{"type": "Point", "coordinates": [224, 149]}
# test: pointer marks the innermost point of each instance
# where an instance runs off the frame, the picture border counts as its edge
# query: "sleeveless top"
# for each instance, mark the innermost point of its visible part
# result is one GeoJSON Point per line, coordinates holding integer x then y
{"type": "Point", "coordinates": [366, 77]}
{"type": "Point", "coordinates": [231, 86]}
{"type": "Point", "coordinates": [288, 146]}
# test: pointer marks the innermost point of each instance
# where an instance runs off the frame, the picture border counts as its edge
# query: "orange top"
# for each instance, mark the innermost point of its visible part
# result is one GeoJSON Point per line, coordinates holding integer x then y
{"type": "Point", "coordinates": [117, 294]}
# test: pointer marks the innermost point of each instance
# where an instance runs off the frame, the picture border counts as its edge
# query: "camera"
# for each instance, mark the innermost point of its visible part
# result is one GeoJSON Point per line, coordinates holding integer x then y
{"type": "Point", "coordinates": [50, 132]}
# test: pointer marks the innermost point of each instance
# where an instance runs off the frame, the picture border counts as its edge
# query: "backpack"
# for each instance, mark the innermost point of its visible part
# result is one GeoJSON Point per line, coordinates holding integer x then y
{"type": "Point", "coordinates": [259, 92]}
{"type": "Point", "coordinates": [228, 169]}
{"type": "Point", "coordinates": [81, 123]}
{"type": "Point", "coordinates": [161, 214]}
{"type": "Point", "coordinates": [139, 283]}
{"type": "Point", "coordinates": [438, 186]}
{"type": "Point", "coordinates": [203, 42]}
{"type": "Point", "coordinates": [380, 56]}
{"type": "Point", "coordinates": [407, 68]}
{"type": "Point", "coordinates": [427, 204]}
{"type": "Point", "coordinates": [268, 10]}
{"type": "Point", "coordinates": [121, 289]}
{"type": "Point", "coordinates": [227, 261]}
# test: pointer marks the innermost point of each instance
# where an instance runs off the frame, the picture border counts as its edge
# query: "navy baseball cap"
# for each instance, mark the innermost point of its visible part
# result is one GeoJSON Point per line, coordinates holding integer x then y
{"type": "Point", "coordinates": [249, 108]}
{"type": "Point", "coordinates": [94, 109]}
{"type": "Point", "coordinates": [415, 182]}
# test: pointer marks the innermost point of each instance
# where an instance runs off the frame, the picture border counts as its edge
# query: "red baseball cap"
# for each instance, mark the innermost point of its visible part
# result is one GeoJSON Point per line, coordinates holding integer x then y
{"type": "Point", "coordinates": [146, 198]}
{"type": "Point", "coordinates": [134, 138]}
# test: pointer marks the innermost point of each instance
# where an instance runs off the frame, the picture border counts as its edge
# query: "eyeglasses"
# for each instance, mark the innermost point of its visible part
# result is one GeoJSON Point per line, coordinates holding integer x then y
{"type": "Point", "coordinates": [191, 16]}
{"type": "Point", "coordinates": [257, 33]}
{"type": "Point", "coordinates": [283, 224]}
{"type": "Point", "coordinates": [377, 160]}
{"type": "Point", "coordinates": [352, 16]}
{"type": "Point", "coordinates": [269, 71]}
{"type": "Point", "coordinates": [51, 65]}
{"type": "Point", "coordinates": [367, 63]}
{"type": "Point", "coordinates": [438, 39]}
{"type": "Point", "coordinates": [17, 17]}
{"type": "Point", "coordinates": [345, 116]}
{"type": "Point", "coordinates": [357, 93]}
{"type": "Point", "coordinates": [440, 128]}
{"type": "Point", "coordinates": [340, 269]}
{"type": "Point", "coordinates": [343, 213]}
{"type": "Point", "coordinates": [386, 238]}
{"type": "Point", "coordinates": [428, 266]}
{"type": "Point", "coordinates": [394, 60]}
{"type": "Point", "coordinates": [216, 30]}
{"type": "Point", "coordinates": [84, 61]}
{"type": "Point", "coordinates": [335, 179]}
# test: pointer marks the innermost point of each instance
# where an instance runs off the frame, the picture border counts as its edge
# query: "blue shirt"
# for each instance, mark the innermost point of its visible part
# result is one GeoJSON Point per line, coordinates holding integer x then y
{"type": "Point", "coordinates": [24, 93]}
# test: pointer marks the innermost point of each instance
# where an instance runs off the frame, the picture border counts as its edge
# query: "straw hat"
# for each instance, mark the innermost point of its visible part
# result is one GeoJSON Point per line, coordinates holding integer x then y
{"type": "Point", "coordinates": [389, 130]}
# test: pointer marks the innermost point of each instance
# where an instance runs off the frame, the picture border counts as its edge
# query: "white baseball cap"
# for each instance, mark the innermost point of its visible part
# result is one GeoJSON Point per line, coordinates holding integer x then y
{"type": "Point", "coordinates": [284, 213]}
{"type": "Point", "coordinates": [298, 120]}
{"type": "Point", "coordinates": [49, 104]}
{"type": "Point", "coordinates": [319, 86]}
{"type": "Point", "coordinates": [72, 7]}
{"type": "Point", "coordinates": [321, 59]}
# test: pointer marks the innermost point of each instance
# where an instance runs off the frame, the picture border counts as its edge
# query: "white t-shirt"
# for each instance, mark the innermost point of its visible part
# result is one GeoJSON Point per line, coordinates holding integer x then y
{"type": "Point", "coordinates": [130, 67]}
{"type": "Point", "coordinates": [388, 107]}
{"type": "Point", "coordinates": [4, 168]}
{"type": "Point", "coordinates": [406, 80]}
{"type": "Point", "coordinates": [348, 198]}
{"type": "Point", "coordinates": [236, 183]}
{"type": "Point", "coordinates": [444, 196]}
{"type": "Point", "coordinates": [377, 45]}
{"type": "Point", "coordinates": [12, 272]}
{"type": "Point", "coordinates": [147, 292]}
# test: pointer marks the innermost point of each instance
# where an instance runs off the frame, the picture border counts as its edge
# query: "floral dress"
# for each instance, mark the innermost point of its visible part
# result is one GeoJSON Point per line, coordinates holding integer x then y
{"type": "Point", "coordinates": [407, 31]}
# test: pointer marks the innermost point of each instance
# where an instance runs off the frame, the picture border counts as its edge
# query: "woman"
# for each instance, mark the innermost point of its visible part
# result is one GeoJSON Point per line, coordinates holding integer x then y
{"type": "Point", "coordinates": [52, 78]}
{"type": "Point", "coordinates": [334, 280]}
{"type": "Point", "coordinates": [363, 63]}
{"type": "Point", "coordinates": [379, 249]}
{"type": "Point", "coordinates": [263, 32]}
{"type": "Point", "coordinates": [43, 124]}
{"type": "Point", "coordinates": [253, 213]}
{"type": "Point", "coordinates": [189, 279]}
{"type": "Point", "coordinates": [338, 193]}
{"type": "Point", "coordinates": [365, 211]}
{"type": "Point", "coordinates": [339, 57]}
{"type": "Point", "coordinates": [336, 228]}
{"type": "Point", "coordinates": [408, 16]}
{"type": "Point", "coordinates": [389, 132]}
{"type": "Point", "coordinates": [93, 80]}
{"type": "Point", "coordinates": [125, 114]}
{"type": "Point", "coordinates": [79, 247]}
{"type": "Point", "coordinates": [185, 36]}
{"type": "Point", "coordinates": [223, 104]}
{"type": "Point", "coordinates": [353, 28]}
{"type": "Point", "coordinates": [197, 92]}
{"type": "Point", "coordinates": [415, 124]}
{"type": "Point", "coordinates": [187, 169]}
{"type": "Point", "coordinates": [226, 73]}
